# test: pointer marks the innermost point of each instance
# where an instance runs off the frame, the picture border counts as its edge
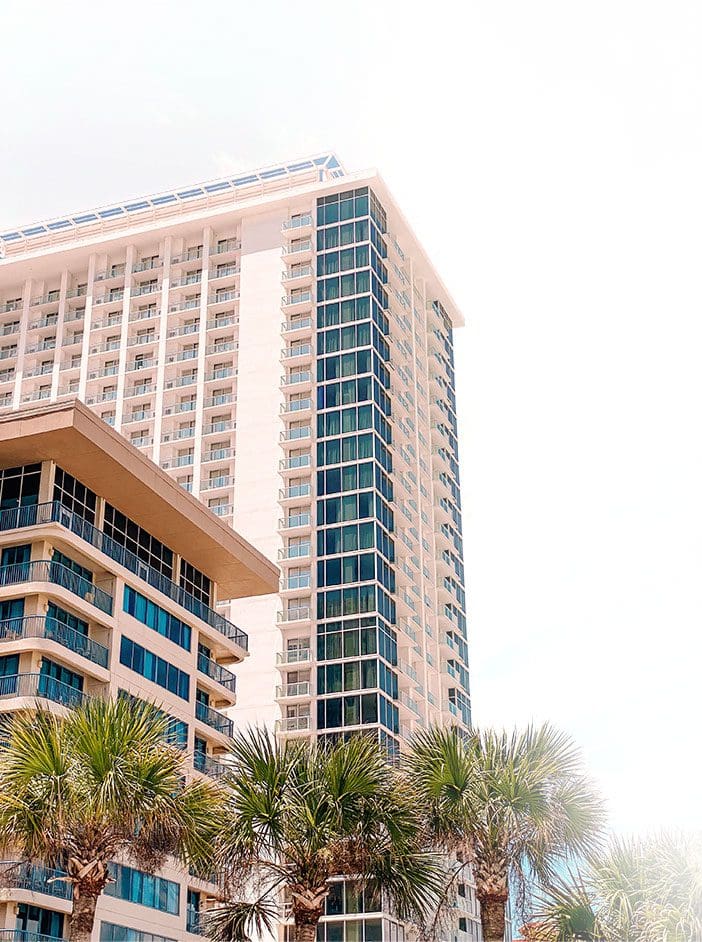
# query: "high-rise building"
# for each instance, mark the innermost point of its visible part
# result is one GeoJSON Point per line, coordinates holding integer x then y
{"type": "Point", "coordinates": [281, 345]}
{"type": "Point", "coordinates": [109, 578]}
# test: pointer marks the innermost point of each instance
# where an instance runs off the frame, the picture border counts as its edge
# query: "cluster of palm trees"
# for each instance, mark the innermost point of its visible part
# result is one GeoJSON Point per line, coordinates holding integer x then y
{"type": "Point", "coordinates": [289, 820]}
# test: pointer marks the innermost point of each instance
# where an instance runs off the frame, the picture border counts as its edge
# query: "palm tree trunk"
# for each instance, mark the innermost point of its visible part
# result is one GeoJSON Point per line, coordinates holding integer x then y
{"type": "Point", "coordinates": [82, 919]}
{"type": "Point", "coordinates": [305, 932]}
{"type": "Point", "coordinates": [492, 918]}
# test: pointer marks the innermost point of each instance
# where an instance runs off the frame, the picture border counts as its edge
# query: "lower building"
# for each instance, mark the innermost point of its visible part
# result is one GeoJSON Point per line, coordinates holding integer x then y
{"type": "Point", "coordinates": [110, 576]}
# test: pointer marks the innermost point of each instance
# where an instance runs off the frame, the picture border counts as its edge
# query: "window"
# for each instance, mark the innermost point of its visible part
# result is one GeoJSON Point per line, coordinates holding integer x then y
{"type": "Point", "coordinates": [154, 668]}
{"type": "Point", "coordinates": [35, 920]}
{"type": "Point", "coordinates": [138, 541]}
{"type": "Point", "coordinates": [177, 731]}
{"type": "Point", "coordinates": [74, 495]}
{"type": "Point", "coordinates": [195, 582]}
{"type": "Point", "coordinates": [150, 614]}
{"type": "Point", "coordinates": [137, 886]}
{"type": "Point", "coordinates": [19, 487]}
{"type": "Point", "coordinates": [110, 932]}
{"type": "Point", "coordinates": [55, 613]}
{"type": "Point", "coordinates": [72, 565]}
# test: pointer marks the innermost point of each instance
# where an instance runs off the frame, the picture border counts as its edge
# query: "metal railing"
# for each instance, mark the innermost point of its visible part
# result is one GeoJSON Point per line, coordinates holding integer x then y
{"type": "Point", "coordinates": [41, 685]}
{"type": "Point", "coordinates": [213, 718]}
{"type": "Point", "coordinates": [208, 765]}
{"type": "Point", "coordinates": [214, 670]}
{"type": "Point", "coordinates": [35, 878]}
{"type": "Point", "coordinates": [44, 626]}
{"type": "Point", "coordinates": [24, 935]}
{"type": "Point", "coordinates": [56, 512]}
{"type": "Point", "coordinates": [46, 570]}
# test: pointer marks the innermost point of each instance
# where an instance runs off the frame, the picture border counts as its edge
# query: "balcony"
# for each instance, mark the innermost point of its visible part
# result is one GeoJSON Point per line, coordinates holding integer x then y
{"type": "Point", "coordinates": [42, 626]}
{"type": "Point", "coordinates": [229, 320]}
{"type": "Point", "coordinates": [299, 350]}
{"type": "Point", "coordinates": [221, 296]}
{"type": "Point", "coordinates": [55, 512]}
{"type": "Point", "coordinates": [295, 724]}
{"type": "Point", "coordinates": [295, 491]}
{"type": "Point", "coordinates": [227, 245]}
{"type": "Point", "coordinates": [298, 247]}
{"type": "Point", "coordinates": [294, 613]}
{"type": "Point", "coordinates": [298, 222]}
{"type": "Point", "coordinates": [294, 462]}
{"type": "Point", "coordinates": [45, 570]}
{"type": "Point", "coordinates": [204, 763]}
{"type": "Point", "coordinates": [216, 672]}
{"type": "Point", "coordinates": [295, 655]}
{"type": "Point", "coordinates": [293, 521]}
{"type": "Point", "coordinates": [35, 878]}
{"type": "Point", "coordinates": [210, 717]}
{"type": "Point", "coordinates": [300, 323]}
{"type": "Point", "coordinates": [296, 433]}
{"type": "Point", "coordinates": [40, 686]}
{"type": "Point", "coordinates": [288, 691]}
{"type": "Point", "coordinates": [24, 935]}
{"type": "Point", "coordinates": [224, 272]}
{"type": "Point", "coordinates": [296, 297]}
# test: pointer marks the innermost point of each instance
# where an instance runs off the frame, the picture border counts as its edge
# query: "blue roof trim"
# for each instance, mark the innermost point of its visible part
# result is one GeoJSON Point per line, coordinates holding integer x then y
{"type": "Point", "coordinates": [260, 176]}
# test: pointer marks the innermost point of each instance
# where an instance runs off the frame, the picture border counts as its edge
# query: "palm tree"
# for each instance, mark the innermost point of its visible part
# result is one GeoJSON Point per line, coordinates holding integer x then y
{"type": "Point", "coordinates": [301, 816]}
{"type": "Point", "coordinates": [641, 890]}
{"type": "Point", "coordinates": [101, 782]}
{"type": "Point", "coordinates": [511, 805]}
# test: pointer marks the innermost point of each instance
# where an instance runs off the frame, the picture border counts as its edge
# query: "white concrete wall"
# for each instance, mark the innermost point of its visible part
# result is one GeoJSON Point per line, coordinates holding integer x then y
{"type": "Point", "coordinates": [258, 454]}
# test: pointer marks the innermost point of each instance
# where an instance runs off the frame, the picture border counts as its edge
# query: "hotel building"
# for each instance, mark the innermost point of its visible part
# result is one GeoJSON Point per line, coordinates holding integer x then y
{"type": "Point", "coordinates": [279, 343]}
{"type": "Point", "coordinates": [109, 578]}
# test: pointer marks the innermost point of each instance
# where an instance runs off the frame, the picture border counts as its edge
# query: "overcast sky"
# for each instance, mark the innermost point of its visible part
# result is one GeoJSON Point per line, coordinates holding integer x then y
{"type": "Point", "coordinates": [549, 154]}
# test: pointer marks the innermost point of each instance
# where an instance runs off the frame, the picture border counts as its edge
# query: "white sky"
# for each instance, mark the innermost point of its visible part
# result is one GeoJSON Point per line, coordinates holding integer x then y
{"type": "Point", "coordinates": [549, 155]}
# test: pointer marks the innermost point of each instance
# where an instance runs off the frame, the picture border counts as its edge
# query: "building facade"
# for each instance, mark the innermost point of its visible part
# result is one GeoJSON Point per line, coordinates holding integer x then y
{"type": "Point", "coordinates": [109, 578]}
{"type": "Point", "coordinates": [281, 345]}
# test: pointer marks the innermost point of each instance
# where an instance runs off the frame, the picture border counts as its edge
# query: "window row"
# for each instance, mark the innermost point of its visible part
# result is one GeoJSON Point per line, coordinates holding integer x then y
{"type": "Point", "coordinates": [356, 675]}
{"type": "Point", "coordinates": [137, 886]}
{"type": "Point", "coordinates": [357, 710]}
{"type": "Point", "coordinates": [363, 389]}
{"type": "Point", "coordinates": [340, 639]}
{"type": "Point", "coordinates": [354, 364]}
{"type": "Point", "coordinates": [157, 618]}
{"type": "Point", "coordinates": [355, 536]}
{"type": "Point", "coordinates": [349, 477]}
{"type": "Point", "coordinates": [332, 510]}
{"type": "Point", "coordinates": [354, 448]}
{"type": "Point", "coordinates": [154, 668]}
{"type": "Point", "coordinates": [333, 603]}
{"type": "Point", "coordinates": [359, 567]}
{"type": "Point", "coordinates": [350, 310]}
{"type": "Point", "coordinates": [354, 419]}
{"type": "Point", "coordinates": [331, 263]}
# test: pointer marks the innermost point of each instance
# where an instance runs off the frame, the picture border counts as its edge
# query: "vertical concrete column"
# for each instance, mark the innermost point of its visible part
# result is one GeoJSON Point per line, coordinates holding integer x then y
{"type": "Point", "coordinates": [22, 345]}
{"type": "Point", "coordinates": [201, 361]}
{"type": "Point", "coordinates": [85, 349]}
{"type": "Point", "coordinates": [162, 348]}
{"type": "Point", "coordinates": [55, 375]}
{"type": "Point", "coordinates": [124, 335]}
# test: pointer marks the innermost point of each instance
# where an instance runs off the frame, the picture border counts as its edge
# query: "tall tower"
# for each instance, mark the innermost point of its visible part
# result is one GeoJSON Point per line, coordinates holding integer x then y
{"type": "Point", "coordinates": [280, 343]}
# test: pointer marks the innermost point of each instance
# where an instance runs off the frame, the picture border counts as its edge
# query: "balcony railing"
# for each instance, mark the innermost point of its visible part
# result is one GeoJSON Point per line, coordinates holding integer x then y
{"type": "Point", "coordinates": [46, 570]}
{"type": "Point", "coordinates": [24, 935]}
{"type": "Point", "coordinates": [214, 670]}
{"type": "Point", "coordinates": [40, 685]}
{"type": "Point", "coordinates": [301, 689]}
{"type": "Point", "coordinates": [295, 724]}
{"type": "Point", "coordinates": [213, 718]}
{"type": "Point", "coordinates": [43, 626]}
{"type": "Point", "coordinates": [295, 656]}
{"type": "Point", "coordinates": [35, 878]}
{"type": "Point", "coordinates": [55, 512]}
{"type": "Point", "coordinates": [210, 766]}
